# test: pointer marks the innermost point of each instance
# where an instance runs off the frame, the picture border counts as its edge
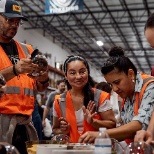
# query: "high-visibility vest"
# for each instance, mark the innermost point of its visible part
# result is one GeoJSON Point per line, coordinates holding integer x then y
{"type": "Point", "coordinates": [64, 108]}
{"type": "Point", "coordinates": [147, 79]}
{"type": "Point", "coordinates": [19, 96]}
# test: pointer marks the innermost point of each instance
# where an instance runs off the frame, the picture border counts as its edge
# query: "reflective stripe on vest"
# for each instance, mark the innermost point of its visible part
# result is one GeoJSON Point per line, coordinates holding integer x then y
{"type": "Point", "coordinates": [28, 92]}
{"type": "Point", "coordinates": [16, 90]}
{"type": "Point", "coordinates": [12, 90]}
{"type": "Point", "coordinates": [62, 102]}
{"type": "Point", "coordinates": [25, 49]}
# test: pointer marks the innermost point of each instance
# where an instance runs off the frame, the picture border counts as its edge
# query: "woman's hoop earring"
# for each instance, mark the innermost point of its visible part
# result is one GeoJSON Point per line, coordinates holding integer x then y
{"type": "Point", "coordinates": [133, 80]}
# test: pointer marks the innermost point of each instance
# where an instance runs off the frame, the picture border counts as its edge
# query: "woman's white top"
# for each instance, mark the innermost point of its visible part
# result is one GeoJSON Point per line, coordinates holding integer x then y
{"type": "Point", "coordinates": [80, 115]}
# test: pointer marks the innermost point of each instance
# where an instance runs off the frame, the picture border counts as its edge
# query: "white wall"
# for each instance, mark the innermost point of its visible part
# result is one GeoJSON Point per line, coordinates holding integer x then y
{"type": "Point", "coordinates": [45, 45]}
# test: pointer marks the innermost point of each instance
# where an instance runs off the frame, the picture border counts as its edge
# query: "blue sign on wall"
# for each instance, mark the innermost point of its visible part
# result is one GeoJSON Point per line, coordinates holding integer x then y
{"type": "Point", "coordinates": [62, 6]}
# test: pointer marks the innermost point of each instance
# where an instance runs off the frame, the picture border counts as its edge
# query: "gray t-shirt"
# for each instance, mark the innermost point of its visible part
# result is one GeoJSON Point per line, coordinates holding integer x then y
{"type": "Point", "coordinates": [49, 103]}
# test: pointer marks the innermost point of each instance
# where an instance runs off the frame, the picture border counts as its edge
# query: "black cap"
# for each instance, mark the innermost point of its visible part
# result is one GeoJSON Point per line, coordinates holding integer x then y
{"type": "Point", "coordinates": [11, 9]}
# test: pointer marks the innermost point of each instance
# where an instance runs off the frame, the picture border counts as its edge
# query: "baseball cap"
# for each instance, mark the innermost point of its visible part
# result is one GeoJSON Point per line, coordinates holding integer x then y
{"type": "Point", "coordinates": [11, 9]}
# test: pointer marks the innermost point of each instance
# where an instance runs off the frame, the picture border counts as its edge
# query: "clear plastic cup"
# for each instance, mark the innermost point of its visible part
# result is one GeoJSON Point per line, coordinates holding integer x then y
{"type": "Point", "coordinates": [117, 148]}
{"type": "Point", "coordinates": [61, 139]}
{"type": "Point", "coordinates": [6, 148]}
{"type": "Point", "coordinates": [139, 148]}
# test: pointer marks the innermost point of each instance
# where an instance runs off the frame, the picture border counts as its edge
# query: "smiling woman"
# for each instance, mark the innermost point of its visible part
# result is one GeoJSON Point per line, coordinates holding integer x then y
{"type": "Point", "coordinates": [83, 107]}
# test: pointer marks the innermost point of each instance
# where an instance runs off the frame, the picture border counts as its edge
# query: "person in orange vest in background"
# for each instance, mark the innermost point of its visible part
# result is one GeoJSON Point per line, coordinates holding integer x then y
{"type": "Point", "coordinates": [82, 107]}
{"type": "Point", "coordinates": [17, 67]}
{"type": "Point", "coordinates": [114, 98]}
{"type": "Point", "coordinates": [48, 120]}
{"type": "Point", "coordinates": [137, 91]}
{"type": "Point", "coordinates": [148, 135]}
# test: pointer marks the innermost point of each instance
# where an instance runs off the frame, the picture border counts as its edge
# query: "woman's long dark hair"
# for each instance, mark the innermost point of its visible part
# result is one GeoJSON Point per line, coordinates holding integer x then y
{"type": "Point", "coordinates": [88, 92]}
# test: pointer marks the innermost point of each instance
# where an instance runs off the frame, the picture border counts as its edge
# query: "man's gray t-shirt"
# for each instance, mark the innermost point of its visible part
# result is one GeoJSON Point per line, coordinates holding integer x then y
{"type": "Point", "coordinates": [50, 100]}
{"type": "Point", "coordinates": [49, 103]}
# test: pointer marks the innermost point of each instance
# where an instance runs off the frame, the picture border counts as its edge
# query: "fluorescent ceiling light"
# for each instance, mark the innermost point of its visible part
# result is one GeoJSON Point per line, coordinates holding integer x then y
{"type": "Point", "coordinates": [100, 43]}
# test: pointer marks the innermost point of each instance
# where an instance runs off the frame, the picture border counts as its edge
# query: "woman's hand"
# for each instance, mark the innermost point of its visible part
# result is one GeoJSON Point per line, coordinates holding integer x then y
{"type": "Point", "coordinates": [43, 123]}
{"type": "Point", "coordinates": [89, 113]}
{"type": "Point", "coordinates": [91, 107]}
{"type": "Point", "coordinates": [88, 137]}
{"type": "Point", "coordinates": [143, 135]}
{"type": "Point", "coordinates": [64, 126]}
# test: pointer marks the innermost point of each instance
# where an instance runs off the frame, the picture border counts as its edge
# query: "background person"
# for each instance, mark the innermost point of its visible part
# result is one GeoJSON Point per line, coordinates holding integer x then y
{"type": "Point", "coordinates": [36, 117]}
{"type": "Point", "coordinates": [17, 104]}
{"type": "Point", "coordinates": [136, 89]}
{"type": "Point", "coordinates": [79, 105]}
{"type": "Point", "coordinates": [104, 86]}
{"type": "Point", "coordinates": [49, 103]}
{"type": "Point", "coordinates": [114, 98]}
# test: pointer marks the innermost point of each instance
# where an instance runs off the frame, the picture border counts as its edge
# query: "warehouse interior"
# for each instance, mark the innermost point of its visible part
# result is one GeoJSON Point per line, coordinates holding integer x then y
{"type": "Point", "coordinates": [114, 22]}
